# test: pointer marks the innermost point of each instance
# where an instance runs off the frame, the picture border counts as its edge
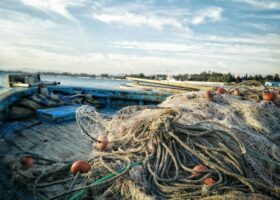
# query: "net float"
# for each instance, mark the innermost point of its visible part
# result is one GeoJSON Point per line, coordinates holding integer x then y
{"type": "Point", "coordinates": [269, 96]}
{"type": "Point", "coordinates": [198, 168]}
{"type": "Point", "coordinates": [236, 92]}
{"type": "Point", "coordinates": [221, 90]}
{"type": "Point", "coordinates": [102, 142]}
{"type": "Point", "coordinates": [26, 162]}
{"type": "Point", "coordinates": [208, 181]}
{"type": "Point", "coordinates": [208, 95]}
{"type": "Point", "coordinates": [80, 166]}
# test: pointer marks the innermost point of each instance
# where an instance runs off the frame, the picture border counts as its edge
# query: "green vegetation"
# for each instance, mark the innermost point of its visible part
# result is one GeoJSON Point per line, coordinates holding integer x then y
{"type": "Point", "coordinates": [203, 76]}
{"type": "Point", "coordinates": [220, 77]}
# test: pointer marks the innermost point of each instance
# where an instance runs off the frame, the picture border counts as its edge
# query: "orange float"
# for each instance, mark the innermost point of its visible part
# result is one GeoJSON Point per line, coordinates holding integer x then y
{"type": "Point", "coordinates": [198, 168]}
{"type": "Point", "coordinates": [236, 92]}
{"type": "Point", "coordinates": [26, 161]}
{"type": "Point", "coordinates": [221, 90]}
{"type": "Point", "coordinates": [208, 181]}
{"type": "Point", "coordinates": [269, 96]}
{"type": "Point", "coordinates": [80, 166]}
{"type": "Point", "coordinates": [102, 143]}
{"type": "Point", "coordinates": [208, 94]}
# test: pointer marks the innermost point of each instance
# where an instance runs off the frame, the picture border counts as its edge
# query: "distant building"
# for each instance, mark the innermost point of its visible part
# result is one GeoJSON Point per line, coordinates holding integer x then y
{"type": "Point", "coordinates": [272, 84]}
{"type": "Point", "coordinates": [160, 77]}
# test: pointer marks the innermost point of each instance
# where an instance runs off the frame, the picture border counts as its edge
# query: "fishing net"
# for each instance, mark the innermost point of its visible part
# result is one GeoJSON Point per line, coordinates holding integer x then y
{"type": "Point", "coordinates": [252, 90]}
{"type": "Point", "coordinates": [230, 136]}
{"type": "Point", "coordinates": [91, 122]}
{"type": "Point", "coordinates": [153, 151]}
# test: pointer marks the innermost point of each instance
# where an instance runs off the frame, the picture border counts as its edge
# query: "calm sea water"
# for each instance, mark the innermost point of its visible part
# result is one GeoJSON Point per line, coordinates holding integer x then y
{"type": "Point", "coordinates": [74, 81]}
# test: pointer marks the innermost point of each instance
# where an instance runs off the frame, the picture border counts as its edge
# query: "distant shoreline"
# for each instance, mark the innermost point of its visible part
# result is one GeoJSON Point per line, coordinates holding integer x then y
{"type": "Point", "coordinates": [199, 77]}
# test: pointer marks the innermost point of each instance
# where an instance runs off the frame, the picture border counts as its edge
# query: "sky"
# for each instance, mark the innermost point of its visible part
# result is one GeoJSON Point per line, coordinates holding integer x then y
{"type": "Point", "coordinates": [149, 36]}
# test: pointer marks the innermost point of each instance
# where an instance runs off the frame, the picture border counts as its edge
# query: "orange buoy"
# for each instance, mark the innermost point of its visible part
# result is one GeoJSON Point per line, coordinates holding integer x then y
{"type": "Point", "coordinates": [236, 92]}
{"type": "Point", "coordinates": [208, 181]}
{"type": "Point", "coordinates": [208, 94]}
{"type": "Point", "coordinates": [221, 90]}
{"type": "Point", "coordinates": [102, 142]}
{"type": "Point", "coordinates": [198, 168]}
{"type": "Point", "coordinates": [80, 166]}
{"type": "Point", "coordinates": [269, 96]}
{"type": "Point", "coordinates": [26, 161]}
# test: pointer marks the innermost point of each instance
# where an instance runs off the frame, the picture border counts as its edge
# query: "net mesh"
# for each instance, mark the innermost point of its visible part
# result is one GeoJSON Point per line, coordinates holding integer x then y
{"type": "Point", "coordinates": [229, 135]}
{"type": "Point", "coordinates": [90, 121]}
{"type": "Point", "coordinates": [153, 151]}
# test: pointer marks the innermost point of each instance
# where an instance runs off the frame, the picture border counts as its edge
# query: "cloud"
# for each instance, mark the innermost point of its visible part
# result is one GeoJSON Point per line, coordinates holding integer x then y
{"type": "Point", "coordinates": [138, 20]}
{"type": "Point", "coordinates": [36, 41]}
{"type": "Point", "coordinates": [265, 4]}
{"type": "Point", "coordinates": [210, 14]}
{"type": "Point", "coordinates": [20, 31]}
{"type": "Point", "coordinates": [135, 14]}
{"type": "Point", "coordinates": [151, 46]}
{"type": "Point", "coordinates": [158, 17]}
{"type": "Point", "coordinates": [238, 48]}
{"type": "Point", "coordinates": [55, 6]}
{"type": "Point", "coordinates": [116, 63]}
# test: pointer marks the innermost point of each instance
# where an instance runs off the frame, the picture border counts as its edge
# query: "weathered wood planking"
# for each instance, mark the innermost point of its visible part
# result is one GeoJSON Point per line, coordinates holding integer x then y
{"type": "Point", "coordinates": [63, 140]}
{"type": "Point", "coordinates": [54, 141]}
{"type": "Point", "coordinates": [58, 114]}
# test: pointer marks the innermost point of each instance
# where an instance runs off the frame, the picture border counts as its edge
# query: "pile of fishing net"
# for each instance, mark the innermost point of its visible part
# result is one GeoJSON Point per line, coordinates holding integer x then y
{"type": "Point", "coordinates": [188, 147]}
{"type": "Point", "coordinates": [254, 90]}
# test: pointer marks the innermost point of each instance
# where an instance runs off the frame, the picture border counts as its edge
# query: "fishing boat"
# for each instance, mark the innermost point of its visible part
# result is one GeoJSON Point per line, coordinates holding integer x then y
{"type": "Point", "coordinates": [38, 121]}
{"type": "Point", "coordinates": [76, 143]}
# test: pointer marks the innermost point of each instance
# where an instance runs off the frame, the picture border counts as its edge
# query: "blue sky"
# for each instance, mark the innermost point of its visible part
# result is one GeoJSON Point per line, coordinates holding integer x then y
{"type": "Point", "coordinates": [150, 36]}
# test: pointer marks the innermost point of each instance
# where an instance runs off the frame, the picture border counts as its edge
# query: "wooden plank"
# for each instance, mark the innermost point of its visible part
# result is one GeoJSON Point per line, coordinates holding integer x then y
{"type": "Point", "coordinates": [60, 146]}
{"type": "Point", "coordinates": [66, 131]}
{"type": "Point", "coordinates": [58, 114]}
{"type": "Point", "coordinates": [44, 145]}
{"type": "Point", "coordinates": [148, 96]}
{"type": "Point", "coordinates": [68, 137]}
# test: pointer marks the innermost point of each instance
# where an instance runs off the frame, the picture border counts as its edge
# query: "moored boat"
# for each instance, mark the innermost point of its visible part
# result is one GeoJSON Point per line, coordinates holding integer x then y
{"type": "Point", "coordinates": [39, 122]}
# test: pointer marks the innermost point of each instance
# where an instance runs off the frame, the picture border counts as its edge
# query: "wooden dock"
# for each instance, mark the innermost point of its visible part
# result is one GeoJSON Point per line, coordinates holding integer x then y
{"type": "Point", "coordinates": [179, 86]}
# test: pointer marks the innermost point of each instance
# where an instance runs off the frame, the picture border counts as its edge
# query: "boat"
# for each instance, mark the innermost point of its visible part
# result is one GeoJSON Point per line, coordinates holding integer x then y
{"type": "Point", "coordinates": [46, 152]}
{"type": "Point", "coordinates": [38, 121]}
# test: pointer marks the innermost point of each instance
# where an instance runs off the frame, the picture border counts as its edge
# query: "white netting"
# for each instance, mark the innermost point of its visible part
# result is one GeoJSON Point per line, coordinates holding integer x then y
{"type": "Point", "coordinates": [153, 150]}
{"type": "Point", "coordinates": [91, 122]}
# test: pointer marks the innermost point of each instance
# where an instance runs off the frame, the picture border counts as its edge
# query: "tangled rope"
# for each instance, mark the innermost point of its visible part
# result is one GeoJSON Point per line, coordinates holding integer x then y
{"type": "Point", "coordinates": [189, 147]}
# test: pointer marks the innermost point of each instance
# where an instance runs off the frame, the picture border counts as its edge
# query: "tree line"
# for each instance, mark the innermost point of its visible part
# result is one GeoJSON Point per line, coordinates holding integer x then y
{"type": "Point", "coordinates": [225, 77]}
{"type": "Point", "coordinates": [211, 77]}
{"type": "Point", "coordinates": [203, 76]}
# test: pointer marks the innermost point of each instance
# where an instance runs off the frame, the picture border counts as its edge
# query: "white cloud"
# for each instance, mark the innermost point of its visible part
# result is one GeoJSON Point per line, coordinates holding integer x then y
{"type": "Point", "coordinates": [138, 20]}
{"type": "Point", "coordinates": [266, 4]}
{"type": "Point", "coordinates": [153, 46]}
{"type": "Point", "coordinates": [35, 42]}
{"type": "Point", "coordinates": [139, 15]}
{"type": "Point", "coordinates": [19, 30]}
{"type": "Point", "coordinates": [206, 49]}
{"type": "Point", "coordinates": [115, 63]}
{"type": "Point", "coordinates": [56, 6]}
{"type": "Point", "coordinates": [210, 14]}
